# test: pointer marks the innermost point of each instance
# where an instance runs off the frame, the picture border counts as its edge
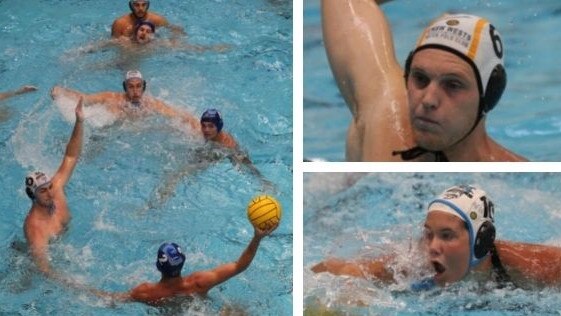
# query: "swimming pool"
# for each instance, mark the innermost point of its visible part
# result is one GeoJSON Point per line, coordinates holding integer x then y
{"type": "Point", "coordinates": [526, 120]}
{"type": "Point", "coordinates": [111, 242]}
{"type": "Point", "coordinates": [374, 211]}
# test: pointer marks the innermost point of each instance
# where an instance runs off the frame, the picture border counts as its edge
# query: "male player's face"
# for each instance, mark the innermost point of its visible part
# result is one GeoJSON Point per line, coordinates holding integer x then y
{"type": "Point", "coordinates": [135, 89]}
{"type": "Point", "coordinates": [140, 8]}
{"type": "Point", "coordinates": [446, 242]}
{"type": "Point", "coordinates": [209, 130]}
{"type": "Point", "coordinates": [443, 98]}
{"type": "Point", "coordinates": [44, 195]}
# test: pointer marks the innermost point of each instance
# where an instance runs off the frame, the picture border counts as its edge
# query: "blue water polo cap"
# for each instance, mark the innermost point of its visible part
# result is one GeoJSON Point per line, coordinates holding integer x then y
{"type": "Point", "coordinates": [212, 115]}
{"type": "Point", "coordinates": [170, 259]}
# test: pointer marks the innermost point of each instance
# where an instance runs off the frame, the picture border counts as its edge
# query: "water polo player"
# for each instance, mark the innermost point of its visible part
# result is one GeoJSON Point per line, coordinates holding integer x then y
{"type": "Point", "coordinates": [144, 32]}
{"type": "Point", "coordinates": [459, 241]}
{"type": "Point", "coordinates": [132, 103]}
{"type": "Point", "coordinates": [126, 24]}
{"type": "Point", "coordinates": [170, 262]}
{"type": "Point", "coordinates": [211, 128]}
{"type": "Point", "coordinates": [49, 212]}
{"type": "Point", "coordinates": [453, 78]}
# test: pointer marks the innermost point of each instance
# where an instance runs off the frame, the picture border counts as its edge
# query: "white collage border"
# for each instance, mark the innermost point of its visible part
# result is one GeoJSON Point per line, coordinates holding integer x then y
{"type": "Point", "coordinates": [299, 167]}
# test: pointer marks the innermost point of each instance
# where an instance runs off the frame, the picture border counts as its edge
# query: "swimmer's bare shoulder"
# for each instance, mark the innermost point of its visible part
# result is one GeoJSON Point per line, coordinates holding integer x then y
{"type": "Point", "coordinates": [360, 50]}
{"type": "Point", "coordinates": [145, 292]}
{"type": "Point", "coordinates": [228, 141]}
{"type": "Point", "coordinates": [502, 154]}
{"type": "Point", "coordinates": [122, 26]}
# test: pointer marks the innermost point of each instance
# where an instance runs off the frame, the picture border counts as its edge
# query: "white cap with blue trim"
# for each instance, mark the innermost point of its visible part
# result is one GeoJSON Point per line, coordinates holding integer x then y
{"type": "Point", "coordinates": [472, 206]}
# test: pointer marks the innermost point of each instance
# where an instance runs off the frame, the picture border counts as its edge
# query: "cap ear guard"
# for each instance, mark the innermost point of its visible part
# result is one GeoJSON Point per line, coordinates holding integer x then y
{"type": "Point", "coordinates": [484, 240]}
{"type": "Point", "coordinates": [30, 193]}
{"type": "Point", "coordinates": [495, 88]}
{"type": "Point", "coordinates": [408, 66]}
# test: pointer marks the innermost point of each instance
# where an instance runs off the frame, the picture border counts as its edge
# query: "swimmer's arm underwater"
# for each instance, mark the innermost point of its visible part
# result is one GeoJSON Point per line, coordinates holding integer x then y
{"type": "Point", "coordinates": [240, 159]}
{"type": "Point", "coordinates": [178, 45]}
{"type": "Point", "coordinates": [21, 90]}
{"type": "Point", "coordinates": [100, 45]}
{"type": "Point", "coordinates": [161, 21]}
{"type": "Point", "coordinates": [170, 112]}
{"type": "Point", "coordinates": [176, 30]}
{"type": "Point", "coordinates": [366, 269]}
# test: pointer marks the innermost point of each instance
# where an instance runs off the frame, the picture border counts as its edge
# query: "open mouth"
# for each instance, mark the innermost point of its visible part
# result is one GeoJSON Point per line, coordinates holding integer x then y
{"type": "Point", "coordinates": [438, 267]}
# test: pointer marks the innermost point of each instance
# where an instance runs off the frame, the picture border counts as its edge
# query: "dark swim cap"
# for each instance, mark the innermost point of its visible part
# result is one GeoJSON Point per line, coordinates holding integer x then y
{"type": "Point", "coordinates": [213, 116]}
{"type": "Point", "coordinates": [133, 1]}
{"type": "Point", "coordinates": [170, 259]}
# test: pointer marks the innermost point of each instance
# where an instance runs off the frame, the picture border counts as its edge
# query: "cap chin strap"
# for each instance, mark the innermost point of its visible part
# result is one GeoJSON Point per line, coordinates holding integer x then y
{"type": "Point", "coordinates": [412, 153]}
{"type": "Point", "coordinates": [439, 155]}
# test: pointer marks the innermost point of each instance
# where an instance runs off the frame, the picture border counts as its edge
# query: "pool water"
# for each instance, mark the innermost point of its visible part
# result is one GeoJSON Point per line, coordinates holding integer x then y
{"type": "Point", "coordinates": [373, 213]}
{"type": "Point", "coordinates": [527, 120]}
{"type": "Point", "coordinates": [112, 240]}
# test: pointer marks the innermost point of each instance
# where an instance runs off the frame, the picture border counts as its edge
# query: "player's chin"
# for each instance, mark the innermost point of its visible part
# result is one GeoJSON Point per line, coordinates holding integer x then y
{"type": "Point", "coordinates": [430, 140]}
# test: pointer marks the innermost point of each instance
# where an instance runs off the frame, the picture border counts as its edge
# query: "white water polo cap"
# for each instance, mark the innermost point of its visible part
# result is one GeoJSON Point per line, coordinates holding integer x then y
{"type": "Point", "coordinates": [34, 181]}
{"type": "Point", "coordinates": [473, 207]}
{"type": "Point", "coordinates": [476, 41]}
{"type": "Point", "coordinates": [133, 74]}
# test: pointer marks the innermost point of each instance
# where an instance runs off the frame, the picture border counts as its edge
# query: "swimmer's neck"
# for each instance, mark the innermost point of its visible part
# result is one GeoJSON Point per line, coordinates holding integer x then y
{"type": "Point", "coordinates": [218, 138]}
{"type": "Point", "coordinates": [135, 105]}
{"type": "Point", "coordinates": [48, 210]}
{"type": "Point", "coordinates": [476, 147]}
{"type": "Point", "coordinates": [171, 280]}
{"type": "Point", "coordinates": [137, 19]}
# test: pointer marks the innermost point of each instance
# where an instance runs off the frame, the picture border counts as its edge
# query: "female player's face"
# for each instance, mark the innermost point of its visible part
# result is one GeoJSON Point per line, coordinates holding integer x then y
{"type": "Point", "coordinates": [446, 242]}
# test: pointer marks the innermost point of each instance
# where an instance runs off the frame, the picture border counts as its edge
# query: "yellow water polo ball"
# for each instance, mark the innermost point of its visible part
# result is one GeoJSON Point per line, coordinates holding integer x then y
{"type": "Point", "coordinates": [264, 211]}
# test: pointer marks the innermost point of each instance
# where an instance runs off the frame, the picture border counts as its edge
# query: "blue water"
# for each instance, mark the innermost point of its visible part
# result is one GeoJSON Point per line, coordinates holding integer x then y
{"type": "Point", "coordinates": [364, 215]}
{"type": "Point", "coordinates": [112, 240]}
{"type": "Point", "coordinates": [527, 120]}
